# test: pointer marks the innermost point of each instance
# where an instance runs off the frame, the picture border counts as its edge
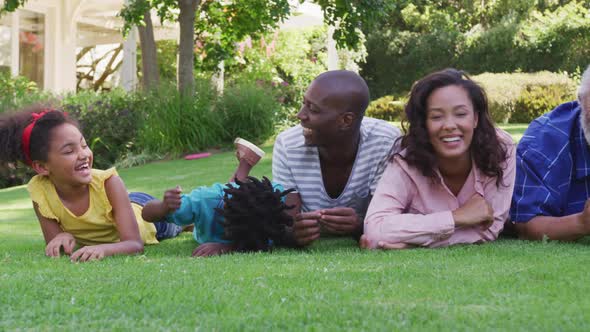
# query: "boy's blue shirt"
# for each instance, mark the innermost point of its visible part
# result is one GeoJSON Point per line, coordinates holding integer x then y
{"type": "Point", "coordinates": [199, 208]}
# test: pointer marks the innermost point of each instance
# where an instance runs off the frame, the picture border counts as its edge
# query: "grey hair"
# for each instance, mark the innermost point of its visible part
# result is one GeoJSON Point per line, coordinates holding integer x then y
{"type": "Point", "coordinates": [584, 89]}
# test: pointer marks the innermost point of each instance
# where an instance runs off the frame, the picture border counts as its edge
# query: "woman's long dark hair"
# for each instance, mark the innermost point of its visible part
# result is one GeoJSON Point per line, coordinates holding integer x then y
{"type": "Point", "coordinates": [486, 149]}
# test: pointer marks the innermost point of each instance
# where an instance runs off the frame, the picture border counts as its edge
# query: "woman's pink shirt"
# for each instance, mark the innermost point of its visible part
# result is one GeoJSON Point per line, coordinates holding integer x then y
{"type": "Point", "coordinates": [410, 208]}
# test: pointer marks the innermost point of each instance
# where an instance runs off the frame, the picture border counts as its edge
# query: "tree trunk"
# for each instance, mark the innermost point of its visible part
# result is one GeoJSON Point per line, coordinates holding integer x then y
{"type": "Point", "coordinates": [149, 62]}
{"type": "Point", "coordinates": [186, 61]}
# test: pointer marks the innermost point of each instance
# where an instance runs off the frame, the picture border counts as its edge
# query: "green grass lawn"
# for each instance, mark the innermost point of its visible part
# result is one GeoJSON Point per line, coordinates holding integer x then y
{"type": "Point", "coordinates": [505, 285]}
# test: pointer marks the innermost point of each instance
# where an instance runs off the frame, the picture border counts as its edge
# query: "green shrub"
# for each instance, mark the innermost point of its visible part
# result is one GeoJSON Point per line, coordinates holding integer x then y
{"type": "Point", "coordinates": [299, 56]}
{"type": "Point", "coordinates": [248, 110]}
{"type": "Point", "coordinates": [17, 92]}
{"type": "Point", "coordinates": [173, 124]}
{"type": "Point", "coordinates": [503, 91]}
{"type": "Point", "coordinates": [14, 175]}
{"type": "Point", "coordinates": [386, 108]}
{"type": "Point", "coordinates": [109, 121]}
{"type": "Point", "coordinates": [537, 100]}
{"type": "Point", "coordinates": [396, 59]}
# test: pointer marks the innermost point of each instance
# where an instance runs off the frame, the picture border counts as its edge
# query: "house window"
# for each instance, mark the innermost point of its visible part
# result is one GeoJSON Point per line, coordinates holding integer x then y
{"type": "Point", "coordinates": [5, 32]}
{"type": "Point", "coordinates": [31, 46]}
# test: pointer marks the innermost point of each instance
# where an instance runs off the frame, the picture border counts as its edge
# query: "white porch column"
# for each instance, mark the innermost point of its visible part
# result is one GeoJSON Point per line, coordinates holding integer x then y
{"type": "Point", "coordinates": [332, 52]}
{"type": "Point", "coordinates": [14, 44]}
{"type": "Point", "coordinates": [60, 50]}
{"type": "Point", "coordinates": [66, 79]}
{"type": "Point", "coordinates": [129, 66]}
{"type": "Point", "coordinates": [52, 40]}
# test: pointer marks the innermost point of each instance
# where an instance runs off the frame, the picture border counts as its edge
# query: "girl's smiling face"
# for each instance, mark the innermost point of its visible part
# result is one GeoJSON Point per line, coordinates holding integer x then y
{"type": "Point", "coordinates": [69, 159]}
{"type": "Point", "coordinates": [450, 122]}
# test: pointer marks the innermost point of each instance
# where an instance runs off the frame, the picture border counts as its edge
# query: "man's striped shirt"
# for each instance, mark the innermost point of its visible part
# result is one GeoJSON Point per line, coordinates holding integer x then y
{"type": "Point", "coordinates": [296, 165]}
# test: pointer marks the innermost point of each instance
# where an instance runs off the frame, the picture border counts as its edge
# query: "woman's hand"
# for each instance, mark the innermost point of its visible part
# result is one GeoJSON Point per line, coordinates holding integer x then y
{"type": "Point", "coordinates": [364, 243]}
{"type": "Point", "coordinates": [474, 212]}
{"type": "Point", "coordinates": [89, 253]}
{"type": "Point", "coordinates": [65, 240]}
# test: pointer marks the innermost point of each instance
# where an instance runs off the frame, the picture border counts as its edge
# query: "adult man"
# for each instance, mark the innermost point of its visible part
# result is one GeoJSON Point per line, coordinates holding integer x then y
{"type": "Point", "coordinates": [334, 158]}
{"type": "Point", "coordinates": [553, 172]}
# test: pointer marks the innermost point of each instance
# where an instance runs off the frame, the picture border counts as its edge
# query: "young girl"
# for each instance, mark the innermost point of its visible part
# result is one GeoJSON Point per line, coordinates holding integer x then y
{"type": "Point", "coordinates": [453, 180]}
{"type": "Point", "coordinates": [75, 204]}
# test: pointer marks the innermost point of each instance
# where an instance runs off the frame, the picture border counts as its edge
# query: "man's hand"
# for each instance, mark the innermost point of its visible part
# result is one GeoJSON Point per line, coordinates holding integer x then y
{"type": "Point", "coordinates": [584, 218]}
{"type": "Point", "coordinates": [212, 249]}
{"type": "Point", "coordinates": [88, 253]}
{"type": "Point", "coordinates": [306, 228]}
{"type": "Point", "coordinates": [65, 240]}
{"type": "Point", "coordinates": [340, 221]}
{"type": "Point", "coordinates": [475, 211]}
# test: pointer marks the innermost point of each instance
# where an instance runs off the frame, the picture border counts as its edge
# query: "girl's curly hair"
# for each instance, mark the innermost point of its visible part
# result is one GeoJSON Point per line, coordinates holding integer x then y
{"type": "Point", "coordinates": [12, 126]}
{"type": "Point", "coordinates": [255, 215]}
{"type": "Point", "coordinates": [486, 149]}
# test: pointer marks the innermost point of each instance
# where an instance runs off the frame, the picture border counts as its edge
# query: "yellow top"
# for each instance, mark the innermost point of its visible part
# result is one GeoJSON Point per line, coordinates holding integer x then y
{"type": "Point", "coordinates": [97, 224]}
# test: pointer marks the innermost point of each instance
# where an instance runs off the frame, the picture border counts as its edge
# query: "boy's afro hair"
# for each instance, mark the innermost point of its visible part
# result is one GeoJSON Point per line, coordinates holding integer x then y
{"type": "Point", "coordinates": [255, 216]}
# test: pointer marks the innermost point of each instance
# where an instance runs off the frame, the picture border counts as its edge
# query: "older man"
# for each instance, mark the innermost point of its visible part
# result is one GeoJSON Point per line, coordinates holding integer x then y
{"type": "Point", "coordinates": [334, 158]}
{"type": "Point", "coordinates": [553, 173]}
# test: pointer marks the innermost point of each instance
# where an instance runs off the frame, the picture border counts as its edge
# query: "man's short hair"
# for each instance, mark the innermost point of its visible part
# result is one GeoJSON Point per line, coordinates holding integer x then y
{"type": "Point", "coordinates": [584, 89]}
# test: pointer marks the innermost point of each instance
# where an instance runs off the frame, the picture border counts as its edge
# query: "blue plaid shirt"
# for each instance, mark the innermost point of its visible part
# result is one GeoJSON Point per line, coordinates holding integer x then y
{"type": "Point", "coordinates": [552, 166]}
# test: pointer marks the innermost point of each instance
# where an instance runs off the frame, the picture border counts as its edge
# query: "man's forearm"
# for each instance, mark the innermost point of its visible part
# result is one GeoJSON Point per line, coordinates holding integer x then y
{"type": "Point", "coordinates": [566, 228]}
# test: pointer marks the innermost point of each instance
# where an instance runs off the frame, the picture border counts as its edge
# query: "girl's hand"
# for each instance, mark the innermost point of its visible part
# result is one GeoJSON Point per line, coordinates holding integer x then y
{"type": "Point", "coordinates": [88, 253]}
{"type": "Point", "coordinates": [65, 240]}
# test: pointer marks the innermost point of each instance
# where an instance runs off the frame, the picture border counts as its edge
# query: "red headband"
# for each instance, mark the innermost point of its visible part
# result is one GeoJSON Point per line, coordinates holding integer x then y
{"type": "Point", "coordinates": [26, 142]}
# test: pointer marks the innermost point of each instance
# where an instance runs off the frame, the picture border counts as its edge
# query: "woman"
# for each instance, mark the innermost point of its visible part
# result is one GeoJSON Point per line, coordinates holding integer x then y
{"type": "Point", "coordinates": [453, 180]}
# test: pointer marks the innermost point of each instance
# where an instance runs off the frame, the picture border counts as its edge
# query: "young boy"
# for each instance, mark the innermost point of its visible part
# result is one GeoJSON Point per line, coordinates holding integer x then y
{"type": "Point", "coordinates": [243, 215]}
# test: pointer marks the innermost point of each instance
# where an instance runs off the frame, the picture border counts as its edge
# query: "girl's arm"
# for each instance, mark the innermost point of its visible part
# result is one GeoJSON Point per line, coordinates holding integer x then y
{"type": "Point", "coordinates": [55, 238]}
{"type": "Point", "coordinates": [130, 239]}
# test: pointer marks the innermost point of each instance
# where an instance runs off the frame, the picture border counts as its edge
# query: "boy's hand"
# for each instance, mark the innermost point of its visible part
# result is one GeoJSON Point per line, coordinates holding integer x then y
{"type": "Point", "coordinates": [172, 199]}
{"type": "Point", "coordinates": [65, 240]}
{"type": "Point", "coordinates": [212, 249]}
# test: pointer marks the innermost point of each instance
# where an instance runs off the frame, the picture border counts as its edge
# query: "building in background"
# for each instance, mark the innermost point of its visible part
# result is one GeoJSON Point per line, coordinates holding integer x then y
{"type": "Point", "coordinates": [41, 40]}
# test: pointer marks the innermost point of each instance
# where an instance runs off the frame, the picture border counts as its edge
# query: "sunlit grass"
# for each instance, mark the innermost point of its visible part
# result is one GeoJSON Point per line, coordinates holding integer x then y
{"type": "Point", "coordinates": [505, 285]}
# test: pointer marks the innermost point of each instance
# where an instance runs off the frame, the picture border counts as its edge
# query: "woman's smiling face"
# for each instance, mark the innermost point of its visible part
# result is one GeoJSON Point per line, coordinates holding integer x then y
{"type": "Point", "coordinates": [450, 122]}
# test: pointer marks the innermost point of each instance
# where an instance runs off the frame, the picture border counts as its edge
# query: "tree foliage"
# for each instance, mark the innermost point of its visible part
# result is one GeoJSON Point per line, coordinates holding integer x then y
{"type": "Point", "coordinates": [11, 5]}
{"type": "Point", "coordinates": [418, 37]}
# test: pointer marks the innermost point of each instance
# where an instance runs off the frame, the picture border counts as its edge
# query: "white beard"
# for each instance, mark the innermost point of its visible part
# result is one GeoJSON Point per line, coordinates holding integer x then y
{"type": "Point", "coordinates": [585, 123]}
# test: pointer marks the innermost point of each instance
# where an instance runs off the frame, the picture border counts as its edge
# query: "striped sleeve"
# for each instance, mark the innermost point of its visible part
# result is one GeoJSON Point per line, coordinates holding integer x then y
{"type": "Point", "coordinates": [281, 172]}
